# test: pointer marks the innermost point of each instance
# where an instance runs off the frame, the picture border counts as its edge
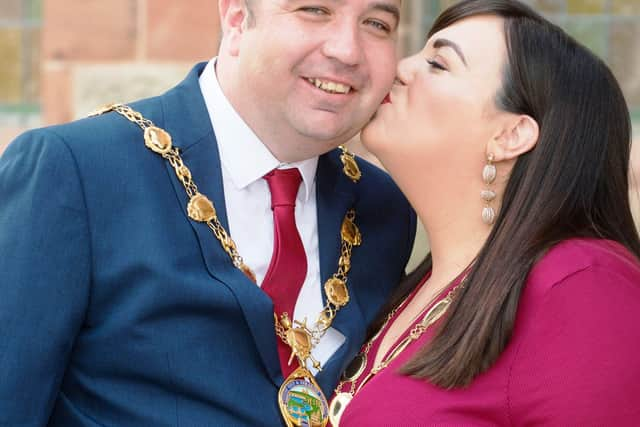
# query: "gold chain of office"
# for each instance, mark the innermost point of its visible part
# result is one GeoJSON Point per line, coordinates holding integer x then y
{"type": "Point", "coordinates": [301, 338]}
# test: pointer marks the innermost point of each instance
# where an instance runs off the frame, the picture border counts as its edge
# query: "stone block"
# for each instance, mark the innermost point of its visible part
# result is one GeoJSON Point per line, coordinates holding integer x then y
{"type": "Point", "coordinates": [591, 32]}
{"type": "Point", "coordinates": [626, 7]}
{"type": "Point", "coordinates": [31, 56]}
{"type": "Point", "coordinates": [11, 9]}
{"type": "Point", "coordinates": [33, 9]}
{"type": "Point", "coordinates": [624, 58]}
{"type": "Point", "coordinates": [10, 65]}
{"type": "Point", "coordinates": [444, 4]}
{"type": "Point", "coordinates": [587, 6]}
{"type": "Point", "coordinates": [56, 94]}
{"type": "Point", "coordinates": [182, 31]}
{"type": "Point", "coordinates": [89, 29]}
{"type": "Point", "coordinates": [548, 6]}
{"type": "Point", "coordinates": [96, 85]}
{"type": "Point", "coordinates": [8, 134]}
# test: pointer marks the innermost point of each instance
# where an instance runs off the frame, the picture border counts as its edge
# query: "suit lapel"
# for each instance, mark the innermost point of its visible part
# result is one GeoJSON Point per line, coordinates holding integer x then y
{"type": "Point", "coordinates": [335, 196]}
{"type": "Point", "coordinates": [187, 120]}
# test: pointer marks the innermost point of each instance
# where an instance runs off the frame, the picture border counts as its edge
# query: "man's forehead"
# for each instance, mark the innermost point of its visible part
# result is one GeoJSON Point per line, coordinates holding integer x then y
{"type": "Point", "coordinates": [373, 4]}
{"type": "Point", "coordinates": [389, 6]}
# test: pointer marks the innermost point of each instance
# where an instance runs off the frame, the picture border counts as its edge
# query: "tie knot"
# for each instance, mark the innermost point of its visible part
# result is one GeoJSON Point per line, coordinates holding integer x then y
{"type": "Point", "coordinates": [284, 185]}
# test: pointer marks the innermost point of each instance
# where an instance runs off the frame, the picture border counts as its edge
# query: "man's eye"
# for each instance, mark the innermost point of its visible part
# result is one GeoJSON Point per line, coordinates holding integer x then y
{"type": "Point", "coordinates": [435, 64]}
{"type": "Point", "coordinates": [379, 25]}
{"type": "Point", "coordinates": [315, 10]}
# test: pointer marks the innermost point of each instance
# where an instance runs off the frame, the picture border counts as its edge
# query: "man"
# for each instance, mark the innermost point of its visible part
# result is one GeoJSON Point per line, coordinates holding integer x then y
{"type": "Point", "coordinates": [119, 306]}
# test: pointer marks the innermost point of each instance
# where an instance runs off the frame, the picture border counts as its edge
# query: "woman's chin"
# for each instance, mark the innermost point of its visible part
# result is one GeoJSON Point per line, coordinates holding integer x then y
{"type": "Point", "coordinates": [367, 135]}
{"type": "Point", "coordinates": [372, 134]}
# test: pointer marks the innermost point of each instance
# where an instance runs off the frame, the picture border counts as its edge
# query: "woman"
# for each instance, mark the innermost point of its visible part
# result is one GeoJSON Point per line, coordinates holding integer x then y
{"type": "Point", "coordinates": [512, 143]}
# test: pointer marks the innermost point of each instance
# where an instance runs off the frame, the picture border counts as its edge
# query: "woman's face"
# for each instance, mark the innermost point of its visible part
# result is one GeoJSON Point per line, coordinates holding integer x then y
{"type": "Point", "coordinates": [443, 113]}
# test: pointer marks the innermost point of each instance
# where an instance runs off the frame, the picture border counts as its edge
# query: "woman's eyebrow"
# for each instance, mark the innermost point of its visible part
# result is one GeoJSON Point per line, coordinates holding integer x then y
{"type": "Point", "coordinates": [448, 43]}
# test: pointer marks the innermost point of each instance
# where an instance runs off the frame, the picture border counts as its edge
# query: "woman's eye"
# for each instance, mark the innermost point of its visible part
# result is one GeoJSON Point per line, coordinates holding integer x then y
{"type": "Point", "coordinates": [435, 64]}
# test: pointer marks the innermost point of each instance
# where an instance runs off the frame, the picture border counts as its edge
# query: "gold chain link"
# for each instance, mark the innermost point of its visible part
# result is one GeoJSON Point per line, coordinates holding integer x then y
{"type": "Point", "coordinates": [184, 176]}
{"type": "Point", "coordinates": [414, 334]}
{"type": "Point", "coordinates": [159, 141]}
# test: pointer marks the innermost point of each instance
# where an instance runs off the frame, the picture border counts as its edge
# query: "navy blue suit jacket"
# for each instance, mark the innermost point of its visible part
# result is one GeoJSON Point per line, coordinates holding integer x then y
{"type": "Point", "coordinates": [117, 310]}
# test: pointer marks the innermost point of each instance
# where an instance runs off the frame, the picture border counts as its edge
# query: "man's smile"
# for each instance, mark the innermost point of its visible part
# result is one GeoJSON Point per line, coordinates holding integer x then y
{"type": "Point", "coordinates": [330, 86]}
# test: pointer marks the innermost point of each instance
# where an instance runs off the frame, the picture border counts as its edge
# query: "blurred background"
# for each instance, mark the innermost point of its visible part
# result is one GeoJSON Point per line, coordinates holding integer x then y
{"type": "Point", "coordinates": [59, 59]}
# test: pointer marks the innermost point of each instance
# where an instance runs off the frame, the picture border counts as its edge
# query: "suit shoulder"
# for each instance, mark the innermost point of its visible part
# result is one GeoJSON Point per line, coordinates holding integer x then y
{"type": "Point", "coordinates": [106, 129]}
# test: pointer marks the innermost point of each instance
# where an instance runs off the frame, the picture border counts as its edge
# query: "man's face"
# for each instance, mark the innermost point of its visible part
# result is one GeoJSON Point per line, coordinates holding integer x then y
{"type": "Point", "coordinates": [316, 70]}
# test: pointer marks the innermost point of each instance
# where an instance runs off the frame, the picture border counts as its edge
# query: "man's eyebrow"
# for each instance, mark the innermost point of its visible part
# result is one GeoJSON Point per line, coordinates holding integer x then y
{"type": "Point", "coordinates": [389, 8]}
{"type": "Point", "coordinates": [448, 43]}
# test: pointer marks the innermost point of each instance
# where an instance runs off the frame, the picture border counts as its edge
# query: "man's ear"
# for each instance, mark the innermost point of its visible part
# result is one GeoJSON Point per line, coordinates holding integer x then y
{"type": "Point", "coordinates": [234, 18]}
{"type": "Point", "coordinates": [519, 136]}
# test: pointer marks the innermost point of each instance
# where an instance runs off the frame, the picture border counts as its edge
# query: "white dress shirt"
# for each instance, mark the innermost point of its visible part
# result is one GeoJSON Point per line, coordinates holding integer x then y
{"type": "Point", "coordinates": [244, 161]}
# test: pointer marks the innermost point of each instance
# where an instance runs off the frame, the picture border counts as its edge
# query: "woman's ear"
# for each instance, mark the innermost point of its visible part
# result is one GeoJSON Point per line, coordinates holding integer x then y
{"type": "Point", "coordinates": [519, 136]}
{"type": "Point", "coordinates": [234, 17]}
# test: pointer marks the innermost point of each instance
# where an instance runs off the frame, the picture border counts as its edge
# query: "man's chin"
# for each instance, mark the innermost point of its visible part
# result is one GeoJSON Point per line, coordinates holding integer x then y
{"type": "Point", "coordinates": [330, 131]}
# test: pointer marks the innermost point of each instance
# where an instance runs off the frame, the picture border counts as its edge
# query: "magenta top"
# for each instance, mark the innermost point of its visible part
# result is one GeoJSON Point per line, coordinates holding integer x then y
{"type": "Point", "coordinates": [573, 359]}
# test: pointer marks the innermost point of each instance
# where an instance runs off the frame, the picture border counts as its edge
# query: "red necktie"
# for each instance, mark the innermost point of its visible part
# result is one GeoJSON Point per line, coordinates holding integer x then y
{"type": "Point", "coordinates": [288, 267]}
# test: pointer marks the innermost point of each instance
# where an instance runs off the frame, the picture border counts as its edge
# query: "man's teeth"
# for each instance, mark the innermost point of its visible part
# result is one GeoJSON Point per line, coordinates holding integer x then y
{"type": "Point", "coordinates": [331, 87]}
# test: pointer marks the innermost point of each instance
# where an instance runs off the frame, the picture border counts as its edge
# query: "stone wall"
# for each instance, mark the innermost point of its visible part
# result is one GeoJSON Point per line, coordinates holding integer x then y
{"type": "Point", "coordinates": [90, 52]}
{"type": "Point", "coordinates": [61, 57]}
{"type": "Point", "coordinates": [97, 51]}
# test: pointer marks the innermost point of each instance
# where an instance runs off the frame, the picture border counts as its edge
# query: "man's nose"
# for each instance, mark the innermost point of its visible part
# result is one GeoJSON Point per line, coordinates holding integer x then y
{"type": "Point", "coordinates": [343, 43]}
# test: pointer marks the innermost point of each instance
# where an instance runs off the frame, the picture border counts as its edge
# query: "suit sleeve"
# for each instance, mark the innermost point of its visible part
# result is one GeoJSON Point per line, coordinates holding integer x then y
{"type": "Point", "coordinates": [44, 273]}
{"type": "Point", "coordinates": [579, 364]}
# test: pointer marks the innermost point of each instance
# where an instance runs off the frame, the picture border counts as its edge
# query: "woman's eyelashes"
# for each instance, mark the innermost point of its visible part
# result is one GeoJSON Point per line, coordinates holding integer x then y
{"type": "Point", "coordinates": [435, 64]}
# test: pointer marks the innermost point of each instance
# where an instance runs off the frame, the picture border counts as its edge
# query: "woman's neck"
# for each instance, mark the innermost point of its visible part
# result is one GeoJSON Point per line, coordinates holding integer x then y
{"type": "Point", "coordinates": [455, 240]}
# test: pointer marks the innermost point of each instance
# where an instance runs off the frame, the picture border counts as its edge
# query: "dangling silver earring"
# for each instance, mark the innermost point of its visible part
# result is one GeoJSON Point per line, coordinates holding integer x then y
{"type": "Point", "coordinates": [489, 173]}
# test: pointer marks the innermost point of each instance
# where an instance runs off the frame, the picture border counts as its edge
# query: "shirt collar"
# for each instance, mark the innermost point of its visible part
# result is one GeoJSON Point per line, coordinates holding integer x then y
{"type": "Point", "coordinates": [242, 154]}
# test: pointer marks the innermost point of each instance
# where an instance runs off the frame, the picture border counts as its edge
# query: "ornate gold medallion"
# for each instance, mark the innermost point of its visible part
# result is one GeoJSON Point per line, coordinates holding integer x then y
{"type": "Point", "coordinates": [337, 292]}
{"type": "Point", "coordinates": [350, 167]}
{"type": "Point", "coordinates": [350, 232]}
{"type": "Point", "coordinates": [300, 343]}
{"type": "Point", "coordinates": [157, 140]}
{"type": "Point", "coordinates": [298, 338]}
{"type": "Point", "coordinates": [302, 402]}
{"type": "Point", "coordinates": [338, 405]}
{"type": "Point", "coordinates": [200, 208]}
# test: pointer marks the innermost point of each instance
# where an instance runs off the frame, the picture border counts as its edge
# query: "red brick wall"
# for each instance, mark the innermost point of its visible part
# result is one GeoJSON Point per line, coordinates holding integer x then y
{"type": "Point", "coordinates": [122, 32]}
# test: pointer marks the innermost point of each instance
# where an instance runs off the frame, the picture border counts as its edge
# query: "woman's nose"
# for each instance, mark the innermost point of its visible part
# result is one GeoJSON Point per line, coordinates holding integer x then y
{"type": "Point", "coordinates": [406, 70]}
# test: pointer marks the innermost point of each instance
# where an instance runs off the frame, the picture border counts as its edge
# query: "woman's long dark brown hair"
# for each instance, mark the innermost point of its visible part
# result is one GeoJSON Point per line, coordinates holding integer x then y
{"type": "Point", "coordinates": [574, 183]}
